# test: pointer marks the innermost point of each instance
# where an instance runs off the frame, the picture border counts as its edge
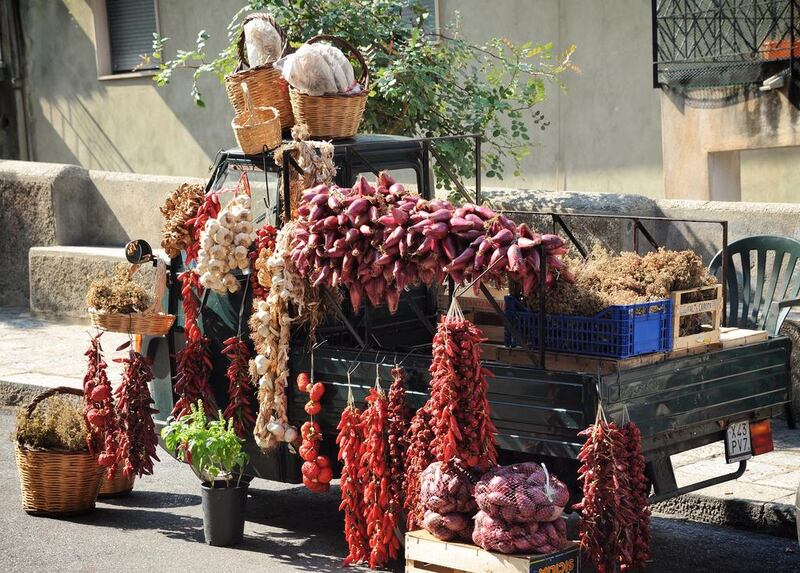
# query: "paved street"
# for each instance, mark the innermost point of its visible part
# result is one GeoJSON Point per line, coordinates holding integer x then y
{"type": "Point", "coordinates": [159, 528]}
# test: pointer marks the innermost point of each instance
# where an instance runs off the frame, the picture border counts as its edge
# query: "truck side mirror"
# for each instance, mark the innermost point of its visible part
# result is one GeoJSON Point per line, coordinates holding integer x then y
{"type": "Point", "coordinates": [139, 252]}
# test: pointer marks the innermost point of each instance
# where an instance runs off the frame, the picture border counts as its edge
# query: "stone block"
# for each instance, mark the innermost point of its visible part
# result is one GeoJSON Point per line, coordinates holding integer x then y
{"type": "Point", "coordinates": [60, 277]}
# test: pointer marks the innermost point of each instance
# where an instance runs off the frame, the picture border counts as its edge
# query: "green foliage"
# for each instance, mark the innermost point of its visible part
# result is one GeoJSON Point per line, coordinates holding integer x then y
{"type": "Point", "coordinates": [56, 423]}
{"type": "Point", "coordinates": [211, 447]}
{"type": "Point", "coordinates": [422, 84]}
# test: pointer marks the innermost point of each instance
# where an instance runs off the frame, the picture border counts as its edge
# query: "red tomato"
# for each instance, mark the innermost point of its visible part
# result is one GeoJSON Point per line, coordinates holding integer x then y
{"type": "Point", "coordinates": [312, 408]}
{"type": "Point", "coordinates": [316, 391]}
{"type": "Point", "coordinates": [303, 380]}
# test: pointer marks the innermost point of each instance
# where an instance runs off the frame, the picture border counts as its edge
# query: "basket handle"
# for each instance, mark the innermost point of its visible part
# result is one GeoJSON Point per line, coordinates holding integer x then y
{"type": "Point", "coordinates": [48, 393]}
{"type": "Point", "coordinates": [346, 46]}
{"type": "Point", "coordinates": [242, 53]}
{"type": "Point", "coordinates": [159, 286]}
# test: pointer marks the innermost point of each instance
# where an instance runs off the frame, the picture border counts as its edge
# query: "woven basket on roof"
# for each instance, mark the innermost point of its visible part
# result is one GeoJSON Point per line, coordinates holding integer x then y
{"type": "Point", "coordinates": [151, 322]}
{"type": "Point", "coordinates": [258, 128]}
{"type": "Point", "coordinates": [332, 116]}
{"type": "Point", "coordinates": [57, 482]}
{"type": "Point", "coordinates": [267, 86]}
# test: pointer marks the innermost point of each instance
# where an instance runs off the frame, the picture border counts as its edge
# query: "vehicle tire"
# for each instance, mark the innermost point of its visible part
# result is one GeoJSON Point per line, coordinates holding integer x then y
{"type": "Point", "coordinates": [791, 328]}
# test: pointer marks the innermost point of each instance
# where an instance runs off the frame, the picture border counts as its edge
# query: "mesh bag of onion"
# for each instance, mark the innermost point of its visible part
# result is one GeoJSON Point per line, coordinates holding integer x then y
{"type": "Point", "coordinates": [494, 534]}
{"type": "Point", "coordinates": [521, 493]}
{"type": "Point", "coordinates": [447, 496]}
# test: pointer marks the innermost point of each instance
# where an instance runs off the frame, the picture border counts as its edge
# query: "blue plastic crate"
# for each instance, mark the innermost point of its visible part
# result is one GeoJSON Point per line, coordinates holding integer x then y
{"type": "Point", "coordinates": [620, 331]}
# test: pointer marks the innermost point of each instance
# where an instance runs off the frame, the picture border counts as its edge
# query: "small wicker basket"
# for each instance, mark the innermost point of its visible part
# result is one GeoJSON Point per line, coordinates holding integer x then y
{"type": "Point", "coordinates": [150, 322]}
{"type": "Point", "coordinates": [334, 116]}
{"type": "Point", "coordinates": [267, 86]}
{"type": "Point", "coordinates": [258, 128]}
{"type": "Point", "coordinates": [118, 486]}
{"type": "Point", "coordinates": [57, 482]}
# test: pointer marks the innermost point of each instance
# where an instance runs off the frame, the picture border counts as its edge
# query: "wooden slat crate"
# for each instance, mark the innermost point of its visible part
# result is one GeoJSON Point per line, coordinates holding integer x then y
{"type": "Point", "coordinates": [426, 554]}
{"type": "Point", "coordinates": [732, 337]}
{"type": "Point", "coordinates": [682, 309]}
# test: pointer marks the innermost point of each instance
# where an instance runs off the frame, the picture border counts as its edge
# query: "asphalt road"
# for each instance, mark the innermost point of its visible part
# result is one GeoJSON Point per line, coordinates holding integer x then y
{"type": "Point", "coordinates": [160, 528]}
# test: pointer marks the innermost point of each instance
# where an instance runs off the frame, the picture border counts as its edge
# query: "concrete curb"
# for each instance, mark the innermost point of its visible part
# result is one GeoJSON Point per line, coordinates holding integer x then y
{"type": "Point", "coordinates": [13, 394]}
{"type": "Point", "coordinates": [764, 517]}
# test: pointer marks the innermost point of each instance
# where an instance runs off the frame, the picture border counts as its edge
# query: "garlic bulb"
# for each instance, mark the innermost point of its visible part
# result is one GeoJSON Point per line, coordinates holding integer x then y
{"type": "Point", "coordinates": [224, 244]}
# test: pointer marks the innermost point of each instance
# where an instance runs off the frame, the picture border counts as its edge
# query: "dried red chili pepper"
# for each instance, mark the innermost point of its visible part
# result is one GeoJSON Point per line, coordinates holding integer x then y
{"type": "Point", "coordinates": [374, 474]}
{"type": "Point", "coordinates": [398, 419]}
{"type": "Point", "coordinates": [615, 520]}
{"type": "Point", "coordinates": [99, 411]}
{"type": "Point", "coordinates": [349, 440]}
{"type": "Point", "coordinates": [455, 421]}
{"type": "Point", "coordinates": [137, 435]}
{"type": "Point", "coordinates": [208, 210]}
{"type": "Point", "coordinates": [193, 361]}
{"type": "Point", "coordinates": [240, 392]}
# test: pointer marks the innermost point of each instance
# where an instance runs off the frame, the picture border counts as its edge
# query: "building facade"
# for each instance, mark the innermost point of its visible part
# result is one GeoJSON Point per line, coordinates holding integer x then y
{"type": "Point", "coordinates": [78, 103]}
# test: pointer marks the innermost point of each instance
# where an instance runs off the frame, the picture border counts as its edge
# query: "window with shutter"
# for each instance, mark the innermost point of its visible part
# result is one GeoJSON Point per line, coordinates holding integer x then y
{"type": "Point", "coordinates": [131, 25]}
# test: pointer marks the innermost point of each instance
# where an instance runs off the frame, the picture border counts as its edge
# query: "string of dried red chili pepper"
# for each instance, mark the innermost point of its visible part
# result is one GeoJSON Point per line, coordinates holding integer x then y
{"type": "Point", "coordinates": [398, 418]}
{"type": "Point", "coordinates": [208, 210]}
{"type": "Point", "coordinates": [349, 440]}
{"type": "Point", "coordinates": [455, 421]}
{"type": "Point", "coordinates": [137, 435]}
{"type": "Point", "coordinates": [240, 392]}
{"type": "Point", "coordinates": [193, 360]}
{"type": "Point", "coordinates": [374, 474]}
{"type": "Point", "coordinates": [615, 527]}
{"type": "Point", "coordinates": [99, 411]}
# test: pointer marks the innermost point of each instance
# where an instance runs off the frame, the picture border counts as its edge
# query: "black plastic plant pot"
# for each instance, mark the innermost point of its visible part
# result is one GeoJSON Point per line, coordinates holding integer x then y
{"type": "Point", "coordinates": [223, 512]}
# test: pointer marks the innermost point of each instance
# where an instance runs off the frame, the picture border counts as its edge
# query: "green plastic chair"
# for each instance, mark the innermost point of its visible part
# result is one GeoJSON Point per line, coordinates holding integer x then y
{"type": "Point", "coordinates": [760, 302]}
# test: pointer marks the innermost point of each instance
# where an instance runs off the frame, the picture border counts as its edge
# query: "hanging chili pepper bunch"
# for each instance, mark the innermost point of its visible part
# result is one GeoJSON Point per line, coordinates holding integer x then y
{"type": "Point", "coordinates": [240, 393]}
{"type": "Point", "coordinates": [615, 528]}
{"type": "Point", "coordinates": [259, 277]}
{"type": "Point", "coordinates": [350, 440]}
{"type": "Point", "coordinates": [398, 418]}
{"type": "Point", "coordinates": [194, 363]}
{"type": "Point", "coordinates": [457, 410]}
{"type": "Point", "coordinates": [208, 210]}
{"type": "Point", "coordinates": [137, 434]}
{"type": "Point", "coordinates": [419, 455]}
{"type": "Point", "coordinates": [99, 412]}
{"type": "Point", "coordinates": [381, 517]}
{"type": "Point", "coordinates": [316, 470]}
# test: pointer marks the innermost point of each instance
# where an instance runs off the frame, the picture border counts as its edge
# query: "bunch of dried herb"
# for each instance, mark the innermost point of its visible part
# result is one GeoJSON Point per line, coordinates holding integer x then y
{"type": "Point", "coordinates": [604, 279]}
{"type": "Point", "coordinates": [56, 423]}
{"type": "Point", "coordinates": [118, 293]}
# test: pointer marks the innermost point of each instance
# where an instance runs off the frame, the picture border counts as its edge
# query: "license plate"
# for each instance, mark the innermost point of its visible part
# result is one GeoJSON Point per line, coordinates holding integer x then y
{"type": "Point", "coordinates": [737, 442]}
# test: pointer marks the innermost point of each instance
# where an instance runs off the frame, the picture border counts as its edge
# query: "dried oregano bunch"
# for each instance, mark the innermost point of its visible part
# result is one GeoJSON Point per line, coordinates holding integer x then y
{"type": "Point", "coordinates": [56, 423]}
{"type": "Point", "coordinates": [118, 293]}
{"type": "Point", "coordinates": [605, 279]}
{"type": "Point", "coordinates": [180, 206]}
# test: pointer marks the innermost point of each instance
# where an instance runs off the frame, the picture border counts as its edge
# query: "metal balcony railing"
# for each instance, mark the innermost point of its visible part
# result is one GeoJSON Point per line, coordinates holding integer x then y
{"type": "Point", "coordinates": [710, 43]}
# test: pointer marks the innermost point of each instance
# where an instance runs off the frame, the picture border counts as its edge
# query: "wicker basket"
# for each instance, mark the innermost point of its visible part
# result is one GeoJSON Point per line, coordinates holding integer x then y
{"type": "Point", "coordinates": [258, 128]}
{"type": "Point", "coordinates": [57, 482]}
{"type": "Point", "coordinates": [333, 116]}
{"type": "Point", "coordinates": [118, 486]}
{"type": "Point", "coordinates": [267, 86]}
{"type": "Point", "coordinates": [151, 322]}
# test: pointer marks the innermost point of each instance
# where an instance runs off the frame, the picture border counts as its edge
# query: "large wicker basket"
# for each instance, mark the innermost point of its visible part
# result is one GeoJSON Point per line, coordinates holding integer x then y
{"type": "Point", "coordinates": [258, 128]}
{"type": "Point", "coordinates": [117, 486]}
{"type": "Point", "coordinates": [267, 86]}
{"type": "Point", "coordinates": [334, 116]}
{"type": "Point", "coordinates": [151, 322]}
{"type": "Point", "coordinates": [57, 482]}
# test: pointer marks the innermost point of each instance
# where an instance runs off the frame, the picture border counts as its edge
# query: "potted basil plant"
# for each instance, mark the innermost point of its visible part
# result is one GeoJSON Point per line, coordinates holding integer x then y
{"type": "Point", "coordinates": [216, 455]}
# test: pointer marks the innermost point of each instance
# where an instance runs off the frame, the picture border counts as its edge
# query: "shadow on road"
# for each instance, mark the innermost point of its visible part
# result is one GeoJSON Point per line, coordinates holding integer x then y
{"type": "Point", "coordinates": [153, 500]}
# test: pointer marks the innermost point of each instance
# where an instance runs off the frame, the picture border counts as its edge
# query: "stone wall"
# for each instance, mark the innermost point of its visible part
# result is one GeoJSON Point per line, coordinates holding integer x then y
{"type": "Point", "coordinates": [46, 204]}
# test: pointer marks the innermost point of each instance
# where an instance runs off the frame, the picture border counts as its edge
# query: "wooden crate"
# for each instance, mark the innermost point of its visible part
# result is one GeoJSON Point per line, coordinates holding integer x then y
{"type": "Point", "coordinates": [681, 309]}
{"type": "Point", "coordinates": [426, 554]}
{"type": "Point", "coordinates": [732, 337]}
{"type": "Point", "coordinates": [471, 302]}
